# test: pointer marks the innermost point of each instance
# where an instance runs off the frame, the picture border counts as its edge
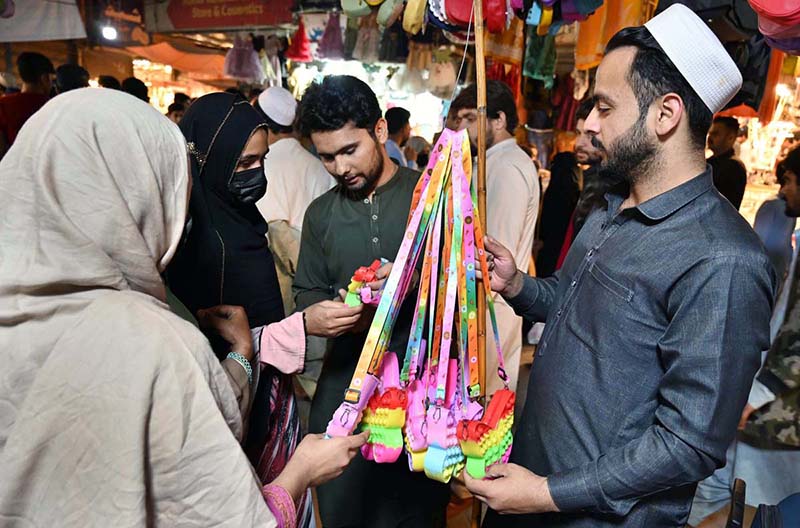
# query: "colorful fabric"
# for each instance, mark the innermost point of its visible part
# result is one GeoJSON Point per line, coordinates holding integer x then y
{"type": "Point", "coordinates": [777, 424]}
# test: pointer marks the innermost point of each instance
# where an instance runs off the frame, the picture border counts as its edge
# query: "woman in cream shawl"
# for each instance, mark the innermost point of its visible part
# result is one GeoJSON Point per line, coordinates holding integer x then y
{"type": "Point", "coordinates": [113, 411]}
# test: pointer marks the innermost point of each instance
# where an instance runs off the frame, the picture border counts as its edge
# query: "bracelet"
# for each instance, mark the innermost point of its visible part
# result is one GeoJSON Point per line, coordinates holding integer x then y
{"type": "Point", "coordinates": [281, 504]}
{"type": "Point", "coordinates": [240, 359]}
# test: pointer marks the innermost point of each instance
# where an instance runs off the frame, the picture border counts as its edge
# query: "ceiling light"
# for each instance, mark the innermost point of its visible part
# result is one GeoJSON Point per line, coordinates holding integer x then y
{"type": "Point", "coordinates": [109, 33]}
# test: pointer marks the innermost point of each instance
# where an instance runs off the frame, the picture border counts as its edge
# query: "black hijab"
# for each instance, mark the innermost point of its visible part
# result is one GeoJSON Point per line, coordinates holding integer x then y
{"type": "Point", "coordinates": [225, 259]}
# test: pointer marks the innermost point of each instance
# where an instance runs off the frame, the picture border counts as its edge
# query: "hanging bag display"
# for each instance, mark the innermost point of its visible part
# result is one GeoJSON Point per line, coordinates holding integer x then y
{"type": "Point", "coordinates": [444, 425]}
{"type": "Point", "coordinates": [356, 8]}
{"type": "Point", "coordinates": [414, 16]}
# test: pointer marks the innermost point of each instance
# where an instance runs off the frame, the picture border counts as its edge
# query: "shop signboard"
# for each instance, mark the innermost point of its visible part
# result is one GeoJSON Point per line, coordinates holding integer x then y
{"type": "Point", "coordinates": [211, 15]}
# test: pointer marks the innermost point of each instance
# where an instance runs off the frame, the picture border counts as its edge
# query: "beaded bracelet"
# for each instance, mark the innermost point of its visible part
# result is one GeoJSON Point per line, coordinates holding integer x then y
{"type": "Point", "coordinates": [244, 363]}
{"type": "Point", "coordinates": [281, 505]}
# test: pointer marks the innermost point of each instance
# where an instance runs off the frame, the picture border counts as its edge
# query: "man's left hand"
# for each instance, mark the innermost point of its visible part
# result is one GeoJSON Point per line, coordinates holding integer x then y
{"type": "Point", "coordinates": [383, 273]}
{"type": "Point", "coordinates": [512, 489]}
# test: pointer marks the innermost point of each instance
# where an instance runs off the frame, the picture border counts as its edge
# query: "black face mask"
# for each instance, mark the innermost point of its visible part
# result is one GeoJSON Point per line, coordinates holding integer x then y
{"type": "Point", "coordinates": [248, 186]}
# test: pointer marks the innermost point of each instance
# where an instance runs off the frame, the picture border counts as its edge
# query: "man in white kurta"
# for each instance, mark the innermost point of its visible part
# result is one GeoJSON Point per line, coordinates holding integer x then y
{"type": "Point", "coordinates": [512, 205]}
{"type": "Point", "coordinates": [295, 177]}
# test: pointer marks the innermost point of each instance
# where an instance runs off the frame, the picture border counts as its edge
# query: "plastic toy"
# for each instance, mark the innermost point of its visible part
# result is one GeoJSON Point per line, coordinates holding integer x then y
{"type": "Point", "coordinates": [357, 291]}
{"type": "Point", "coordinates": [488, 441]}
{"type": "Point", "coordinates": [385, 415]}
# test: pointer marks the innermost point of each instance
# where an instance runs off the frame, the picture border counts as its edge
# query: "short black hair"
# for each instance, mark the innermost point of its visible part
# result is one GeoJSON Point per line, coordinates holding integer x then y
{"type": "Point", "coordinates": [176, 107]}
{"type": "Point", "coordinates": [32, 66]}
{"type": "Point", "coordinates": [181, 98]}
{"type": "Point", "coordinates": [136, 88]}
{"type": "Point", "coordinates": [780, 173]}
{"type": "Point", "coordinates": [584, 110]}
{"type": "Point", "coordinates": [70, 77]}
{"type": "Point", "coordinates": [792, 161]}
{"type": "Point", "coordinates": [652, 74]}
{"type": "Point", "coordinates": [109, 81]}
{"type": "Point", "coordinates": [396, 119]}
{"type": "Point", "coordinates": [336, 101]}
{"type": "Point", "coordinates": [728, 122]}
{"type": "Point", "coordinates": [498, 99]}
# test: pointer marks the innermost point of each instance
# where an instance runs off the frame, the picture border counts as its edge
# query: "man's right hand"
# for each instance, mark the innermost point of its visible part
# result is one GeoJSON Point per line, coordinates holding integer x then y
{"type": "Point", "coordinates": [331, 318]}
{"type": "Point", "coordinates": [506, 278]}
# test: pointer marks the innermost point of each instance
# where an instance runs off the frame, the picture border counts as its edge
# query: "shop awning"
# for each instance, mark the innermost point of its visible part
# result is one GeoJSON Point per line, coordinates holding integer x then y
{"type": "Point", "coordinates": [206, 63]}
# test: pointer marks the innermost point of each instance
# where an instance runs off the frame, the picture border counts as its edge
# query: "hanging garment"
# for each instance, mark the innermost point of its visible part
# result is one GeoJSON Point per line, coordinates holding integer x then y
{"type": "Point", "coordinates": [300, 48]}
{"type": "Point", "coordinates": [731, 20]}
{"type": "Point", "coordinates": [368, 43]}
{"type": "Point", "coordinates": [510, 74]}
{"type": "Point", "coordinates": [242, 62]}
{"type": "Point", "coordinates": [331, 45]}
{"type": "Point", "coordinates": [595, 32]}
{"type": "Point", "coordinates": [506, 46]}
{"type": "Point", "coordinates": [565, 103]}
{"type": "Point", "coordinates": [540, 58]}
{"type": "Point", "coordinates": [589, 45]}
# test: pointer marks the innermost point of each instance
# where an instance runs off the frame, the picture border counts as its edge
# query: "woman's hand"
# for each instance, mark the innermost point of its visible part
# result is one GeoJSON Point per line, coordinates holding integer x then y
{"type": "Point", "coordinates": [331, 318]}
{"type": "Point", "coordinates": [318, 460]}
{"type": "Point", "coordinates": [231, 323]}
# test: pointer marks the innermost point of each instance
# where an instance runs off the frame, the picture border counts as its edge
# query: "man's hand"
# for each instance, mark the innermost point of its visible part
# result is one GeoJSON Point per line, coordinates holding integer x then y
{"type": "Point", "coordinates": [383, 273]}
{"type": "Point", "coordinates": [231, 323]}
{"type": "Point", "coordinates": [380, 277]}
{"type": "Point", "coordinates": [748, 410]}
{"type": "Point", "coordinates": [510, 488]}
{"type": "Point", "coordinates": [505, 277]}
{"type": "Point", "coordinates": [410, 154]}
{"type": "Point", "coordinates": [331, 318]}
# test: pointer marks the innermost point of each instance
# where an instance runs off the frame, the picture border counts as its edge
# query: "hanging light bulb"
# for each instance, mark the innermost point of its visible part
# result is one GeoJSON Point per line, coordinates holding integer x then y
{"type": "Point", "coordinates": [109, 33]}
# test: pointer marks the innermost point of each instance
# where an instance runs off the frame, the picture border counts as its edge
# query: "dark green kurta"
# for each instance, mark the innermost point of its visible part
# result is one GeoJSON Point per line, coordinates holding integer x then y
{"type": "Point", "coordinates": [340, 235]}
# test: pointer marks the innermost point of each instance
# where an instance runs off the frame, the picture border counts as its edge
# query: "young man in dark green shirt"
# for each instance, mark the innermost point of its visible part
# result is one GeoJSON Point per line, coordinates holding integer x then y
{"type": "Point", "coordinates": [360, 220]}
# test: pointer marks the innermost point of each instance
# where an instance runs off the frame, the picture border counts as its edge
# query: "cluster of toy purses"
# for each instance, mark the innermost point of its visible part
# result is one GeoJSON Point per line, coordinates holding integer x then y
{"type": "Point", "coordinates": [432, 406]}
{"type": "Point", "coordinates": [358, 291]}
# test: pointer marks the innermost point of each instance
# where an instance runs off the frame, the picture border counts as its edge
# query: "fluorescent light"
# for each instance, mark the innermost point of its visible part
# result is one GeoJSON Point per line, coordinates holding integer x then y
{"type": "Point", "coordinates": [109, 33]}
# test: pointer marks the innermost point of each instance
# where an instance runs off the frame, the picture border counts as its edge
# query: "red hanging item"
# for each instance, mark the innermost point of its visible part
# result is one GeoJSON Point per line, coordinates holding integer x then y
{"type": "Point", "coordinates": [784, 12]}
{"type": "Point", "coordinates": [300, 48]}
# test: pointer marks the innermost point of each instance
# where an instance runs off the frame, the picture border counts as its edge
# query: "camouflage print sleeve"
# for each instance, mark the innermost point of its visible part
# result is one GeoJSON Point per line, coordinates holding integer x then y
{"type": "Point", "coordinates": [781, 371]}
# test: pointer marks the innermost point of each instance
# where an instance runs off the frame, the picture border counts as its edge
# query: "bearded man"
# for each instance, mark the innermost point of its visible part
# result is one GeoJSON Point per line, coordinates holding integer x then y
{"type": "Point", "coordinates": [360, 220]}
{"type": "Point", "coordinates": [656, 321]}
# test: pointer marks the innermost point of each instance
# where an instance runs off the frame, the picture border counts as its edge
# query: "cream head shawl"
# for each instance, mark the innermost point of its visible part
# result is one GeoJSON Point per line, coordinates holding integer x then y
{"type": "Point", "coordinates": [113, 411]}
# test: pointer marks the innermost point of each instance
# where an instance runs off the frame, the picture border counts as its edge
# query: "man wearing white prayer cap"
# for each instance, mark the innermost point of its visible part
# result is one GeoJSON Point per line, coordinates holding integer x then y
{"type": "Point", "coordinates": [656, 321]}
{"type": "Point", "coordinates": [295, 177]}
